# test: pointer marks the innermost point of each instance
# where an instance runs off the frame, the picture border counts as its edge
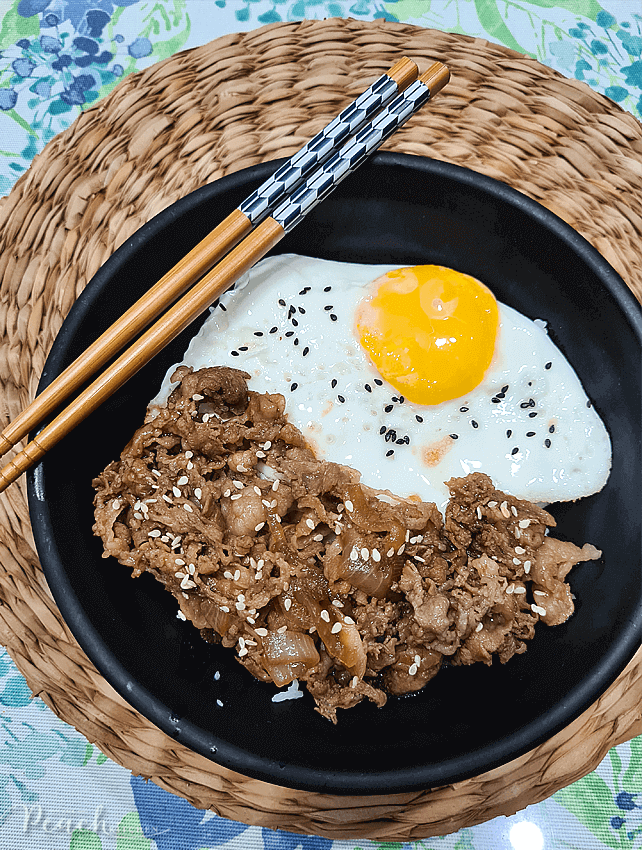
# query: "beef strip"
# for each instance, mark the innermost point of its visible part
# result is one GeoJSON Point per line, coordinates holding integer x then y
{"type": "Point", "coordinates": [304, 572]}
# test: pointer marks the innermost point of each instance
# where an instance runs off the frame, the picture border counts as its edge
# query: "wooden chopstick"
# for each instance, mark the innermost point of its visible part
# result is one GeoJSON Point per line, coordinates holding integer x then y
{"type": "Point", "coordinates": [211, 249]}
{"type": "Point", "coordinates": [238, 261]}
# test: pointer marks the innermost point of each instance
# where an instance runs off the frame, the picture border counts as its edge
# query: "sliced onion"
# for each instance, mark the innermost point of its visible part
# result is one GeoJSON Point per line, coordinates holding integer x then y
{"type": "Point", "coordinates": [287, 656]}
{"type": "Point", "coordinates": [345, 645]}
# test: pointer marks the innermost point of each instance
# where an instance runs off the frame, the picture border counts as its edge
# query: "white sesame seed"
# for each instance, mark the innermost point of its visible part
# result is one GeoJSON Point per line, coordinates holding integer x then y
{"type": "Point", "coordinates": [260, 454]}
{"type": "Point", "coordinates": [407, 535]}
{"type": "Point", "coordinates": [189, 454]}
{"type": "Point", "coordinates": [237, 575]}
{"type": "Point", "coordinates": [349, 505]}
{"type": "Point", "coordinates": [179, 562]}
{"type": "Point", "coordinates": [365, 554]}
{"type": "Point", "coordinates": [249, 642]}
{"type": "Point", "coordinates": [492, 504]}
{"type": "Point", "coordinates": [179, 575]}
{"type": "Point", "coordinates": [219, 702]}
{"type": "Point", "coordinates": [310, 523]}
{"type": "Point", "coordinates": [412, 670]}
{"type": "Point", "coordinates": [241, 468]}
{"type": "Point", "coordinates": [266, 503]}
{"type": "Point", "coordinates": [376, 555]}
{"type": "Point", "coordinates": [527, 566]}
{"type": "Point", "coordinates": [227, 574]}
{"type": "Point", "coordinates": [339, 509]}
{"type": "Point", "coordinates": [282, 630]}
{"type": "Point", "coordinates": [479, 627]}
{"type": "Point", "coordinates": [155, 533]}
{"type": "Point", "coordinates": [115, 504]}
{"type": "Point", "coordinates": [524, 523]}
{"type": "Point", "coordinates": [167, 499]}
{"type": "Point", "coordinates": [241, 642]}
{"type": "Point", "coordinates": [257, 490]}
{"type": "Point", "coordinates": [261, 632]}
{"type": "Point", "coordinates": [504, 509]}
{"type": "Point", "coordinates": [537, 609]}
{"type": "Point", "coordinates": [156, 473]}
{"type": "Point", "coordinates": [176, 492]}
{"type": "Point", "coordinates": [185, 596]}
{"type": "Point", "coordinates": [390, 553]}
{"type": "Point", "coordinates": [225, 609]}
{"type": "Point", "coordinates": [182, 480]}
{"type": "Point", "coordinates": [348, 621]}
{"type": "Point", "coordinates": [191, 569]}
{"type": "Point", "coordinates": [519, 590]}
{"type": "Point", "coordinates": [198, 492]}
{"type": "Point", "coordinates": [138, 515]}
{"type": "Point", "coordinates": [520, 550]}
{"type": "Point", "coordinates": [186, 583]}
{"type": "Point", "coordinates": [181, 616]}
{"type": "Point", "coordinates": [400, 550]}
{"type": "Point", "coordinates": [197, 397]}
{"type": "Point", "coordinates": [235, 497]}
{"type": "Point", "coordinates": [242, 652]}
{"type": "Point", "coordinates": [354, 554]}
{"type": "Point", "coordinates": [539, 593]}
{"type": "Point", "coordinates": [206, 418]}
{"type": "Point", "coordinates": [517, 533]}
{"type": "Point", "coordinates": [417, 660]}
{"type": "Point", "coordinates": [516, 561]}
{"type": "Point", "coordinates": [312, 630]}
{"type": "Point", "coordinates": [325, 616]}
{"type": "Point", "coordinates": [337, 603]}
{"type": "Point", "coordinates": [259, 526]}
{"type": "Point", "coordinates": [510, 589]}
{"type": "Point", "coordinates": [188, 508]}
{"type": "Point", "coordinates": [240, 606]}
{"type": "Point", "coordinates": [479, 513]}
{"type": "Point", "coordinates": [273, 503]}
{"type": "Point", "coordinates": [275, 485]}
{"type": "Point", "coordinates": [318, 538]}
{"type": "Point", "coordinates": [336, 628]}
{"type": "Point", "coordinates": [287, 604]}
{"type": "Point", "coordinates": [513, 510]}
{"type": "Point", "coordinates": [421, 560]}
{"type": "Point", "coordinates": [238, 484]}
{"type": "Point", "coordinates": [227, 493]}
{"type": "Point", "coordinates": [354, 682]}
{"type": "Point", "coordinates": [267, 445]}
{"type": "Point", "coordinates": [189, 465]}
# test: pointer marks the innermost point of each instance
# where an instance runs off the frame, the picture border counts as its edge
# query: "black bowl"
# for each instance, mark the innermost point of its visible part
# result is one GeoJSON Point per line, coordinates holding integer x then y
{"type": "Point", "coordinates": [395, 209]}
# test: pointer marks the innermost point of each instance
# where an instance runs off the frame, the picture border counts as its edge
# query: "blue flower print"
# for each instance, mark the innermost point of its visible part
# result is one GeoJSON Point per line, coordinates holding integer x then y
{"type": "Point", "coordinates": [633, 74]}
{"type": "Point", "coordinates": [8, 99]}
{"type": "Point", "coordinates": [140, 47]}
{"type": "Point", "coordinates": [277, 840]}
{"type": "Point", "coordinates": [174, 824]}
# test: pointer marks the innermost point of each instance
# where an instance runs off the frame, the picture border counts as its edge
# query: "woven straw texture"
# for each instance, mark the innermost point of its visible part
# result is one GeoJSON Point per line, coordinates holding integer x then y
{"type": "Point", "coordinates": [195, 117]}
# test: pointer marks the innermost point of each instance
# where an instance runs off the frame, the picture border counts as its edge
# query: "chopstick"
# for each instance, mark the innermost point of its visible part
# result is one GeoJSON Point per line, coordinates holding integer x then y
{"type": "Point", "coordinates": [239, 260]}
{"type": "Point", "coordinates": [210, 249]}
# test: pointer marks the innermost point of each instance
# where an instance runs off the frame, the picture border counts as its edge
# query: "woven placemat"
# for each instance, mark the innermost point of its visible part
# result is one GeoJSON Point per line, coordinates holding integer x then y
{"type": "Point", "coordinates": [197, 116]}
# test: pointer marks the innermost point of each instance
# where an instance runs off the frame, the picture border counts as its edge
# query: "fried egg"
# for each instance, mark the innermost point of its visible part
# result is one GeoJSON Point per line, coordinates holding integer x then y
{"type": "Point", "coordinates": [411, 376]}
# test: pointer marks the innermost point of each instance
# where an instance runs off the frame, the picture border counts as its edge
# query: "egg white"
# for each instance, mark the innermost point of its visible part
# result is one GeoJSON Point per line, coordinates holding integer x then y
{"type": "Point", "coordinates": [529, 425]}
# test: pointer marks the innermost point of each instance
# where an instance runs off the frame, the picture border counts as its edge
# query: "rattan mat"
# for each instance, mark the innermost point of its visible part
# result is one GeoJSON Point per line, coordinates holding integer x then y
{"type": "Point", "coordinates": [197, 116]}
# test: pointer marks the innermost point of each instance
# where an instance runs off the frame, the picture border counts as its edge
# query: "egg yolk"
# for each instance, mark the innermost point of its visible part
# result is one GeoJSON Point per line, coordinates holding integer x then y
{"type": "Point", "coordinates": [430, 331]}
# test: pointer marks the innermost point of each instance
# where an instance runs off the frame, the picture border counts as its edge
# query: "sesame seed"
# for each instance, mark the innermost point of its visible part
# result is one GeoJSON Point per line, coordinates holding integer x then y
{"type": "Point", "coordinates": [188, 508]}
{"type": "Point", "coordinates": [235, 354]}
{"type": "Point", "coordinates": [390, 553]}
{"type": "Point", "coordinates": [176, 492]}
{"type": "Point", "coordinates": [181, 616]}
{"type": "Point", "coordinates": [260, 454]}
{"type": "Point", "coordinates": [327, 288]}
{"type": "Point", "coordinates": [306, 351]}
{"type": "Point", "coordinates": [225, 609]}
{"type": "Point", "coordinates": [513, 510]}
{"type": "Point", "coordinates": [532, 415]}
{"type": "Point", "coordinates": [167, 499]}
{"type": "Point", "coordinates": [517, 562]}
{"type": "Point", "coordinates": [180, 575]}
{"type": "Point", "coordinates": [412, 670]}
{"type": "Point", "coordinates": [400, 550]}
{"type": "Point", "coordinates": [354, 682]}
{"type": "Point", "coordinates": [261, 632]}
{"type": "Point", "coordinates": [238, 484]}
{"type": "Point", "coordinates": [479, 513]}
{"type": "Point", "coordinates": [527, 567]}
{"type": "Point", "coordinates": [273, 330]}
{"type": "Point", "coordinates": [293, 387]}
{"type": "Point", "coordinates": [325, 616]}
{"type": "Point", "coordinates": [474, 424]}
{"type": "Point", "coordinates": [237, 576]}
{"type": "Point", "coordinates": [479, 627]}
{"type": "Point", "coordinates": [390, 453]}
{"type": "Point", "coordinates": [454, 436]}
{"type": "Point", "coordinates": [287, 604]}
{"type": "Point", "coordinates": [376, 555]}
{"type": "Point", "coordinates": [235, 497]}
{"type": "Point", "coordinates": [547, 443]}
{"type": "Point", "coordinates": [138, 515]}
{"type": "Point", "coordinates": [515, 450]}
{"type": "Point", "coordinates": [156, 473]}
{"type": "Point", "coordinates": [258, 333]}
{"type": "Point", "coordinates": [227, 574]}
{"type": "Point", "coordinates": [259, 526]}
{"type": "Point", "coordinates": [341, 399]}
{"type": "Point", "coordinates": [365, 554]}
{"type": "Point", "coordinates": [275, 485]}
{"type": "Point", "coordinates": [242, 652]}
{"type": "Point", "coordinates": [419, 418]}
{"type": "Point", "coordinates": [519, 591]}
{"type": "Point", "coordinates": [310, 523]}
{"type": "Point", "coordinates": [539, 593]}
{"type": "Point", "coordinates": [418, 558]}
{"type": "Point", "coordinates": [548, 365]}
{"type": "Point", "coordinates": [524, 523]}
{"type": "Point", "coordinates": [198, 492]}
{"type": "Point", "coordinates": [227, 493]}
{"type": "Point", "coordinates": [510, 589]}
{"type": "Point", "coordinates": [530, 433]}
{"type": "Point", "coordinates": [302, 311]}
{"type": "Point", "coordinates": [492, 504]}
{"type": "Point", "coordinates": [417, 660]}
{"type": "Point", "coordinates": [463, 409]}
{"type": "Point", "coordinates": [257, 490]}
{"type": "Point", "coordinates": [333, 383]}
{"type": "Point", "coordinates": [282, 630]}
{"type": "Point", "coordinates": [537, 609]}
{"type": "Point", "coordinates": [240, 606]}
{"type": "Point", "coordinates": [281, 302]}
{"type": "Point", "coordinates": [189, 454]}
{"type": "Point", "coordinates": [333, 317]}
{"type": "Point", "coordinates": [336, 628]}
{"type": "Point", "coordinates": [348, 621]}
{"type": "Point", "coordinates": [519, 550]}
{"type": "Point", "coordinates": [504, 509]}
{"type": "Point", "coordinates": [349, 505]}
{"type": "Point", "coordinates": [328, 307]}
{"type": "Point", "coordinates": [388, 408]}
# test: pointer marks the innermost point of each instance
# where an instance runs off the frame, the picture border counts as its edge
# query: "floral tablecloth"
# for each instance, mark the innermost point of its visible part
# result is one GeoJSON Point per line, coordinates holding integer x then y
{"type": "Point", "coordinates": [57, 791]}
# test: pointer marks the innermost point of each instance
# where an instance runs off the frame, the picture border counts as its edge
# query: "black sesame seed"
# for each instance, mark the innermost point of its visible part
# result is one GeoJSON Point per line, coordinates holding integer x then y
{"type": "Point", "coordinates": [551, 430]}
{"type": "Point", "coordinates": [328, 307]}
{"type": "Point", "coordinates": [235, 354]}
{"type": "Point", "coordinates": [406, 440]}
{"type": "Point", "coordinates": [243, 348]}
{"type": "Point", "coordinates": [368, 388]}
{"type": "Point", "coordinates": [388, 408]}
{"type": "Point", "coordinates": [531, 402]}
{"type": "Point", "coordinates": [515, 450]}
{"type": "Point", "coordinates": [394, 398]}
{"type": "Point", "coordinates": [296, 341]}
{"type": "Point", "coordinates": [258, 333]}
{"type": "Point", "coordinates": [302, 311]}
{"type": "Point", "coordinates": [382, 430]}
{"type": "Point", "coordinates": [341, 399]}
{"type": "Point", "coordinates": [508, 433]}
{"type": "Point", "coordinates": [454, 436]}
{"type": "Point", "coordinates": [281, 302]}
{"type": "Point", "coordinates": [505, 389]}
{"type": "Point", "coordinates": [524, 405]}
{"type": "Point", "coordinates": [306, 350]}
{"type": "Point", "coordinates": [223, 307]}
{"type": "Point", "coordinates": [333, 317]}
{"type": "Point", "coordinates": [419, 418]}
{"type": "Point", "coordinates": [530, 433]}
{"type": "Point", "coordinates": [289, 334]}
{"type": "Point", "coordinates": [495, 400]}
{"type": "Point", "coordinates": [273, 330]}
{"type": "Point", "coordinates": [548, 365]}
{"type": "Point", "coordinates": [530, 383]}
{"type": "Point", "coordinates": [388, 437]}
{"type": "Point", "coordinates": [295, 323]}
{"type": "Point", "coordinates": [589, 404]}
{"type": "Point", "coordinates": [532, 414]}
{"type": "Point", "coordinates": [547, 443]}
{"type": "Point", "coordinates": [400, 442]}
{"type": "Point", "coordinates": [291, 310]}
{"type": "Point", "coordinates": [378, 382]}
{"type": "Point", "coordinates": [474, 424]}
{"type": "Point", "coordinates": [463, 409]}
{"type": "Point", "coordinates": [293, 387]}
{"type": "Point", "coordinates": [334, 383]}
{"type": "Point", "coordinates": [401, 399]}
{"type": "Point", "coordinates": [304, 290]}
{"type": "Point", "coordinates": [327, 288]}
{"type": "Point", "coordinates": [390, 453]}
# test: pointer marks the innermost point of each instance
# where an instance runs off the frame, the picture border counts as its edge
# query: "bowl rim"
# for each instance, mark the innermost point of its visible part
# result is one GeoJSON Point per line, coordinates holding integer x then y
{"type": "Point", "coordinates": [206, 743]}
